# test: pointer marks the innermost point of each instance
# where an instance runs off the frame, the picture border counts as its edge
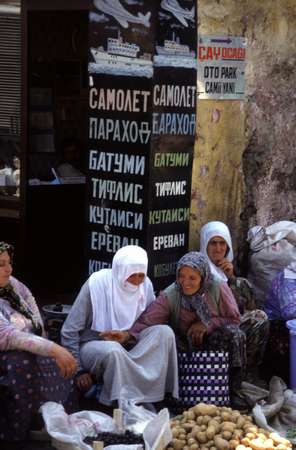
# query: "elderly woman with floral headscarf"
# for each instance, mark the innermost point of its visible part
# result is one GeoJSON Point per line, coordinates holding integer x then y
{"type": "Point", "coordinates": [32, 368]}
{"type": "Point", "coordinates": [216, 246]}
{"type": "Point", "coordinates": [199, 308]}
{"type": "Point", "coordinates": [96, 331]}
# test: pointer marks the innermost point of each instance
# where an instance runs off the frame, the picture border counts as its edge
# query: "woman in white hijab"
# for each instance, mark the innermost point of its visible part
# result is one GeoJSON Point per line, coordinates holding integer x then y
{"type": "Point", "coordinates": [96, 331]}
{"type": "Point", "coordinates": [216, 246]}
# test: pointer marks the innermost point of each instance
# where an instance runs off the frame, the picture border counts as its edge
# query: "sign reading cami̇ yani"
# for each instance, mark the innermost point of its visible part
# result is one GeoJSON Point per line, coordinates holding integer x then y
{"type": "Point", "coordinates": [142, 97]}
{"type": "Point", "coordinates": [221, 67]}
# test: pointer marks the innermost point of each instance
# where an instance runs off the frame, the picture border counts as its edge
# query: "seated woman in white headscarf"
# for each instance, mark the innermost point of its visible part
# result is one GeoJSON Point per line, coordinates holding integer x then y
{"type": "Point", "coordinates": [216, 245]}
{"type": "Point", "coordinates": [96, 332]}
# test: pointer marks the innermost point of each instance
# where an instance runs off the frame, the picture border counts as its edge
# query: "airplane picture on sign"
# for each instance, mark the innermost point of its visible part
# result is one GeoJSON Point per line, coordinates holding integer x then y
{"type": "Point", "coordinates": [180, 13]}
{"type": "Point", "coordinates": [115, 9]}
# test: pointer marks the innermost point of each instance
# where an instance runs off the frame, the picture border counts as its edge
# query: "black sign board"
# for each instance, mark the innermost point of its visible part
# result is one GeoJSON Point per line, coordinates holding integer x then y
{"type": "Point", "coordinates": [142, 94]}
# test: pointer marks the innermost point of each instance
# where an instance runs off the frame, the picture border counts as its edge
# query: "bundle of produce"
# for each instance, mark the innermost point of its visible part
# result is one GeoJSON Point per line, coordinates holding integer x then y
{"type": "Point", "coordinates": [209, 427]}
{"type": "Point", "coordinates": [127, 438]}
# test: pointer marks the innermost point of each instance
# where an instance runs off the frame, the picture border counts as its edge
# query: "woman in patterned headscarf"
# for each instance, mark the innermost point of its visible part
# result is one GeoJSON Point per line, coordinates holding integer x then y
{"type": "Point", "coordinates": [200, 310]}
{"type": "Point", "coordinates": [33, 370]}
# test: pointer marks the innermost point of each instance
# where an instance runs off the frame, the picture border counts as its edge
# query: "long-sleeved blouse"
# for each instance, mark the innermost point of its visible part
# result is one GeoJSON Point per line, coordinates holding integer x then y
{"type": "Point", "coordinates": [159, 313]}
{"type": "Point", "coordinates": [16, 331]}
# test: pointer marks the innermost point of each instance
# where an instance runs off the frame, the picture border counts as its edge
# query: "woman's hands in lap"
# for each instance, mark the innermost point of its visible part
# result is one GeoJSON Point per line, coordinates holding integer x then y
{"type": "Point", "coordinates": [196, 332]}
{"type": "Point", "coordinates": [116, 335]}
{"type": "Point", "coordinates": [64, 360]}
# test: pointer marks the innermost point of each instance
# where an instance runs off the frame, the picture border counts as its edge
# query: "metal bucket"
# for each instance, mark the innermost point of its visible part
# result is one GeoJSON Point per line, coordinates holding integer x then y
{"type": "Point", "coordinates": [54, 316]}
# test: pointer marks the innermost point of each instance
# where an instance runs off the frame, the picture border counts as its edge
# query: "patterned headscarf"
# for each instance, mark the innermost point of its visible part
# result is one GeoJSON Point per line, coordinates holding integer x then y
{"type": "Point", "coordinates": [196, 302]}
{"type": "Point", "coordinates": [10, 295]}
{"type": "Point", "coordinates": [4, 247]}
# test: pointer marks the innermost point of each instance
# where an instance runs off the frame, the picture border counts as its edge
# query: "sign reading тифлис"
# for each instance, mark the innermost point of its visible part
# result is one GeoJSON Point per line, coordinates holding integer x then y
{"type": "Point", "coordinates": [221, 67]}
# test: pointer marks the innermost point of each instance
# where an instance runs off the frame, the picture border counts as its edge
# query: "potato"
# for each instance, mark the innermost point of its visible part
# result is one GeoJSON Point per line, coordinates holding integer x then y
{"type": "Point", "coordinates": [281, 447]}
{"type": "Point", "coordinates": [175, 432]}
{"type": "Point", "coordinates": [235, 415]}
{"type": "Point", "coordinates": [191, 441]}
{"type": "Point", "coordinates": [228, 426]}
{"type": "Point", "coordinates": [221, 443]}
{"type": "Point", "coordinates": [206, 419]}
{"type": "Point", "coordinates": [226, 435]}
{"type": "Point", "coordinates": [204, 409]}
{"type": "Point", "coordinates": [233, 443]}
{"type": "Point", "coordinates": [188, 426]}
{"type": "Point", "coordinates": [277, 439]}
{"type": "Point", "coordinates": [215, 424]}
{"type": "Point", "coordinates": [191, 415]}
{"type": "Point", "coordinates": [194, 446]}
{"type": "Point", "coordinates": [199, 420]}
{"type": "Point", "coordinates": [182, 437]}
{"type": "Point", "coordinates": [226, 416]}
{"type": "Point", "coordinates": [201, 437]}
{"type": "Point", "coordinates": [252, 435]}
{"type": "Point", "coordinates": [237, 434]}
{"type": "Point", "coordinates": [268, 444]}
{"type": "Point", "coordinates": [241, 447]}
{"type": "Point", "coordinates": [240, 422]}
{"type": "Point", "coordinates": [256, 444]}
{"type": "Point", "coordinates": [210, 431]}
{"type": "Point", "coordinates": [178, 444]}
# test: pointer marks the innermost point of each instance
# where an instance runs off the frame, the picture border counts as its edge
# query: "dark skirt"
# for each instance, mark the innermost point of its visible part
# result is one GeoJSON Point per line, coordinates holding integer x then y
{"type": "Point", "coordinates": [26, 382]}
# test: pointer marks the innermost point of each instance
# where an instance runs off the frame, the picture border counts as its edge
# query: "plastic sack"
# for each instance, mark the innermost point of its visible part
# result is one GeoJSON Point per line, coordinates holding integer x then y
{"type": "Point", "coordinates": [279, 412]}
{"type": "Point", "coordinates": [69, 431]}
{"type": "Point", "coordinates": [271, 249]}
{"type": "Point", "coordinates": [157, 433]}
{"type": "Point", "coordinates": [135, 417]}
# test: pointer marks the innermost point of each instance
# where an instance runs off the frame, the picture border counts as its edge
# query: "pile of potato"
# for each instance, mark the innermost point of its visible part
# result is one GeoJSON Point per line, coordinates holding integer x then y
{"type": "Point", "coordinates": [209, 427]}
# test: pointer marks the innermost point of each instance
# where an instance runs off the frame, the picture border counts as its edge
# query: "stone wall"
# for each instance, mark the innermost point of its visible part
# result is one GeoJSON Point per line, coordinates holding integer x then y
{"type": "Point", "coordinates": [244, 170]}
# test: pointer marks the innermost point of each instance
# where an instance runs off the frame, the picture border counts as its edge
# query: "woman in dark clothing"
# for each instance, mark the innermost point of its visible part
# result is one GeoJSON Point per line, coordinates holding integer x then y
{"type": "Point", "coordinates": [33, 369]}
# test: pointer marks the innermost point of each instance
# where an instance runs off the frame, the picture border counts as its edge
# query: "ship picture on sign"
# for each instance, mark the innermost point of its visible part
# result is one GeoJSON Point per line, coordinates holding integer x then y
{"type": "Point", "coordinates": [221, 67]}
{"type": "Point", "coordinates": [116, 46]}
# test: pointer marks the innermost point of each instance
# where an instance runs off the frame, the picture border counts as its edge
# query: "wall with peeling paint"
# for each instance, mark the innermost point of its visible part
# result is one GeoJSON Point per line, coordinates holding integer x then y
{"type": "Point", "coordinates": [244, 171]}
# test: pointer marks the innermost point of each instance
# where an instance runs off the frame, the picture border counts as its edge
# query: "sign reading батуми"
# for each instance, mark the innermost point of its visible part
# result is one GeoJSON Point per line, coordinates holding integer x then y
{"type": "Point", "coordinates": [221, 67]}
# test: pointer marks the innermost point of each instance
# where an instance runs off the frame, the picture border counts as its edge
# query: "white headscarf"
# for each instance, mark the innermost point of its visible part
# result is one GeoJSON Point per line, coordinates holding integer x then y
{"type": "Point", "coordinates": [207, 232]}
{"type": "Point", "coordinates": [116, 303]}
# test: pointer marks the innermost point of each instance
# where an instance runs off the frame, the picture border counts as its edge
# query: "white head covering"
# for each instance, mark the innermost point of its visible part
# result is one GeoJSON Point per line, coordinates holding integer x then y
{"type": "Point", "coordinates": [116, 303]}
{"type": "Point", "coordinates": [207, 232]}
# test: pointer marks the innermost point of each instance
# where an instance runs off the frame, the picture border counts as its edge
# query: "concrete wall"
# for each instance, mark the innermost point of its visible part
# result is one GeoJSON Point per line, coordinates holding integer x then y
{"type": "Point", "coordinates": [244, 171]}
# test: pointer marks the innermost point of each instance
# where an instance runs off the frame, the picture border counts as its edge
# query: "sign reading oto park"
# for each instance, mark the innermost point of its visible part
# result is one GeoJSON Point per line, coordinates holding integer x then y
{"type": "Point", "coordinates": [221, 67]}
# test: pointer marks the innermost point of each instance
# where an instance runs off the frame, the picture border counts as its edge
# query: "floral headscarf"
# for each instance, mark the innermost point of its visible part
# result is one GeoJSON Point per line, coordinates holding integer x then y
{"type": "Point", "coordinates": [4, 247]}
{"type": "Point", "coordinates": [9, 294]}
{"type": "Point", "coordinates": [196, 302]}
